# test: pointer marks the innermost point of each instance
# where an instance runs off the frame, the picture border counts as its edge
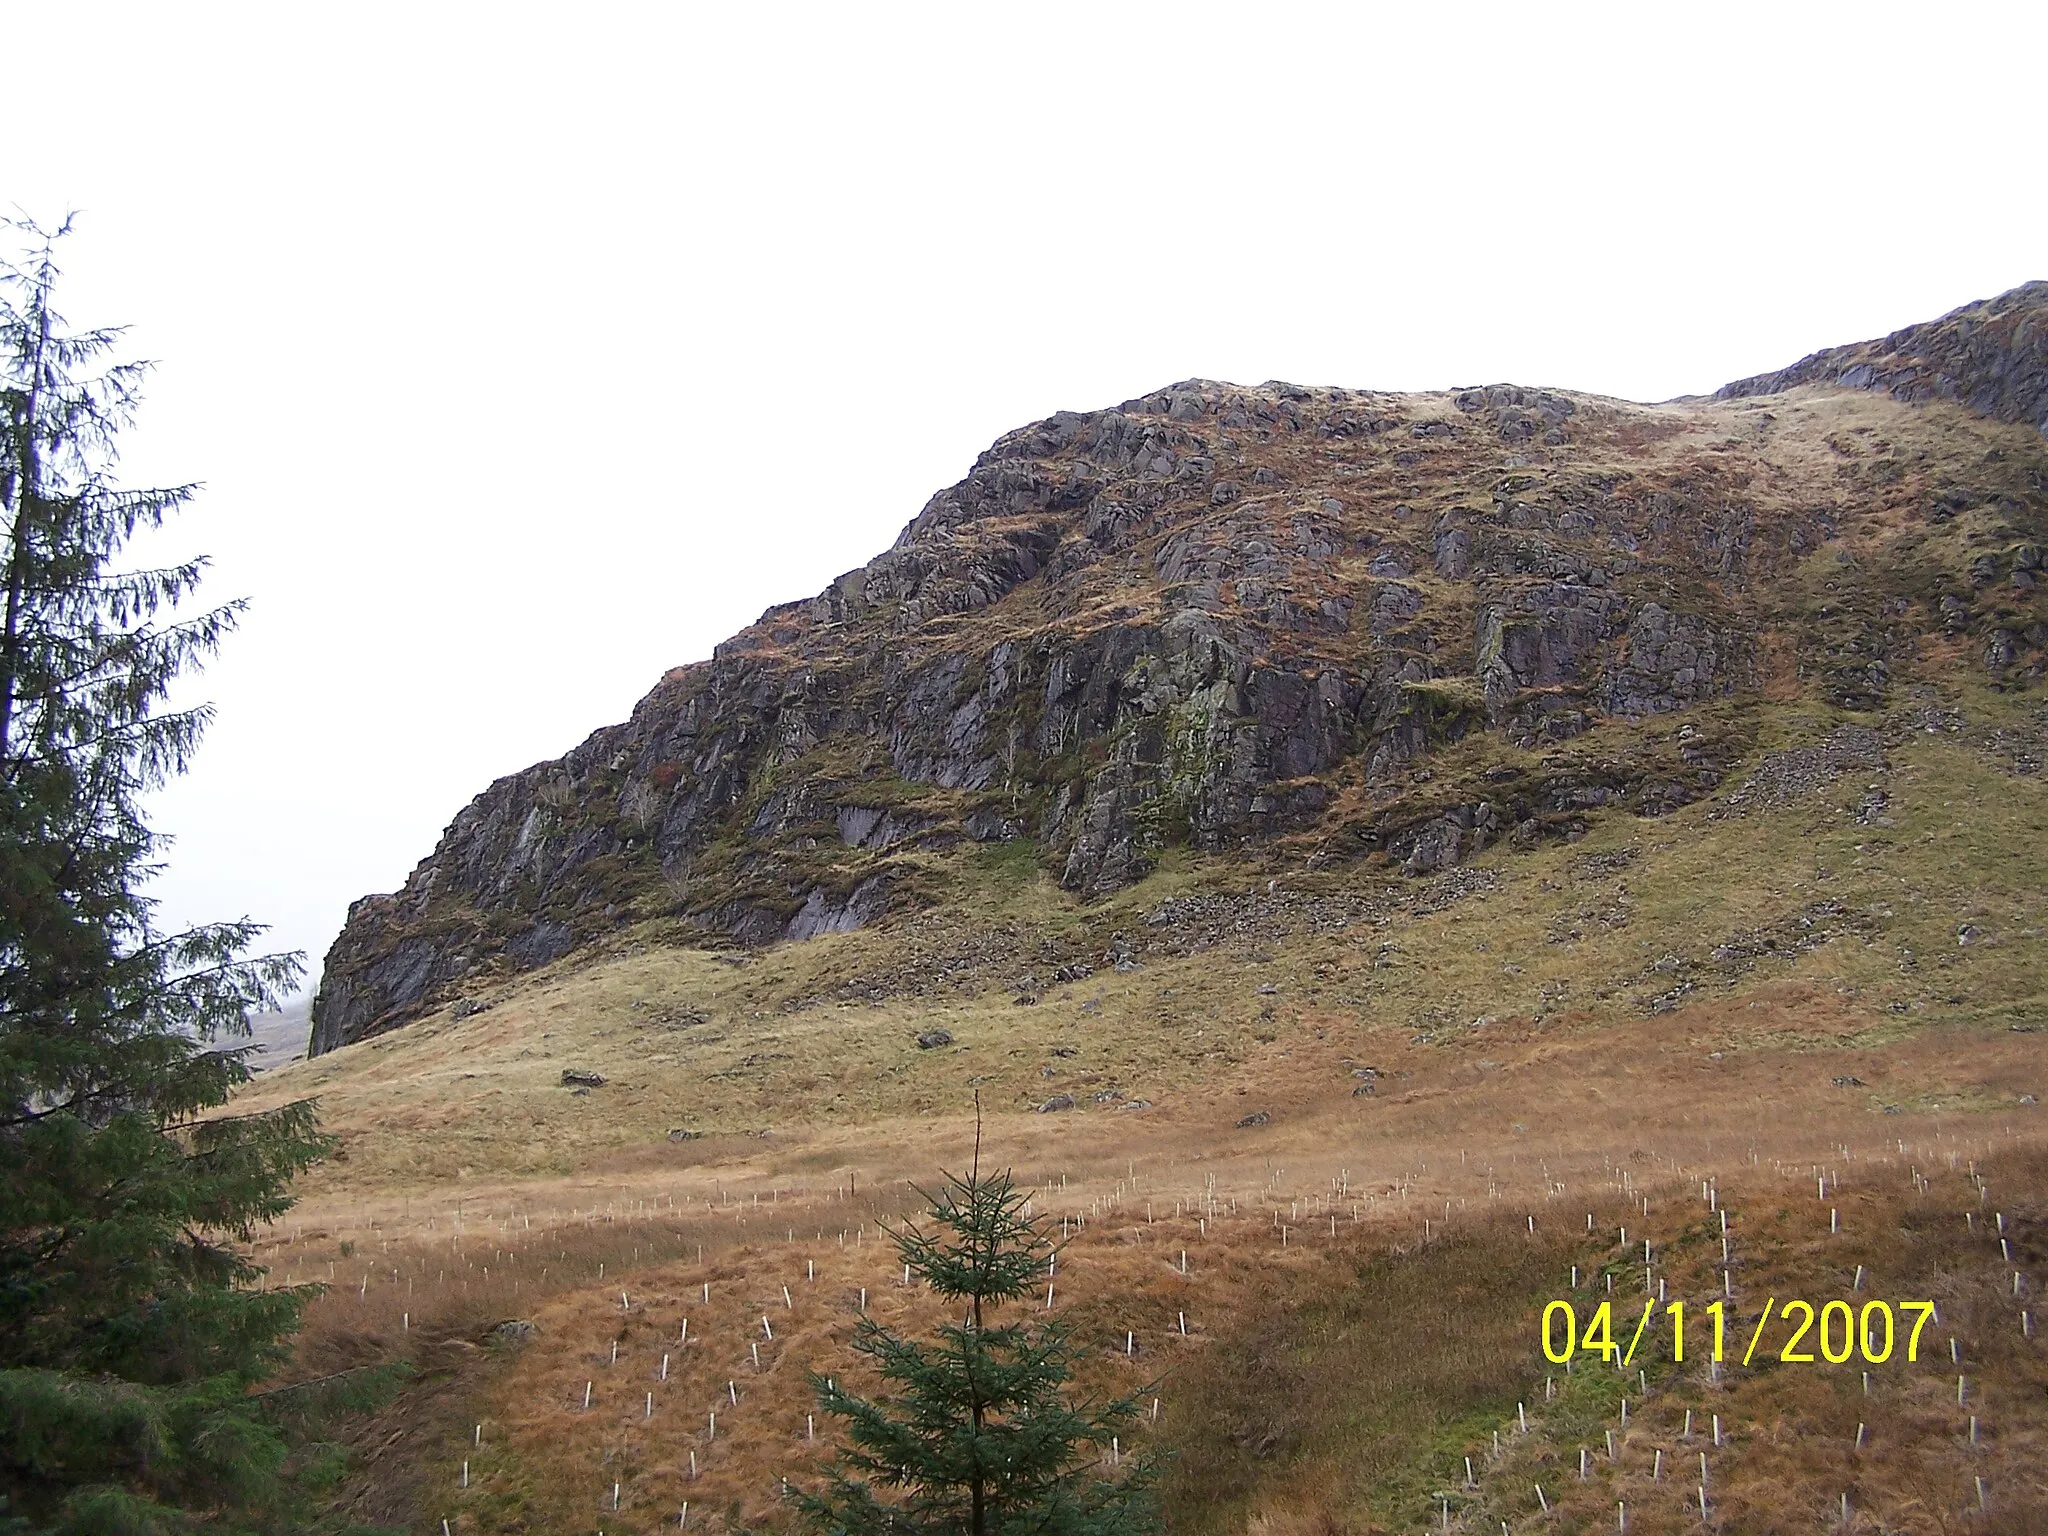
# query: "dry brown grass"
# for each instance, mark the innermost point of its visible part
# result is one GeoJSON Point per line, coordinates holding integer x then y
{"type": "Point", "coordinates": [1329, 1398]}
{"type": "Point", "coordinates": [1789, 1431]}
{"type": "Point", "coordinates": [1351, 1406]}
{"type": "Point", "coordinates": [1516, 1056]}
{"type": "Point", "coordinates": [1571, 940]}
{"type": "Point", "coordinates": [1453, 1338]}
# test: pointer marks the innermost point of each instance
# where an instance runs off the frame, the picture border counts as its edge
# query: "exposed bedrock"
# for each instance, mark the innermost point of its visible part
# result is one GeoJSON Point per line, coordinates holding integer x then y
{"type": "Point", "coordinates": [1278, 623]}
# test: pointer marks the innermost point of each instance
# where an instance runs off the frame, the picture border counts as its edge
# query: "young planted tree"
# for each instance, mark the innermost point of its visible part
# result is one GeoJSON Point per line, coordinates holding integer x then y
{"type": "Point", "coordinates": [979, 1435]}
{"type": "Point", "coordinates": [131, 1327]}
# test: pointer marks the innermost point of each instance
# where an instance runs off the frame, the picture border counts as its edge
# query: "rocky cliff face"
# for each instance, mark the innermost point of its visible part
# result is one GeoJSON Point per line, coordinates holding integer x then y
{"type": "Point", "coordinates": [1294, 625]}
{"type": "Point", "coordinates": [1991, 356]}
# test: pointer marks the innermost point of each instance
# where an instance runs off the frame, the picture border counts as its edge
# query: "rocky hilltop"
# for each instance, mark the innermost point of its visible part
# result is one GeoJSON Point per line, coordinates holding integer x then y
{"type": "Point", "coordinates": [1283, 626]}
{"type": "Point", "coordinates": [1991, 356]}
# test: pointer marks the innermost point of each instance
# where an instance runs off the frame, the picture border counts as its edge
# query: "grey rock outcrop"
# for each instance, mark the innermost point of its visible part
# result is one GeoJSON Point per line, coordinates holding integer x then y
{"type": "Point", "coordinates": [1237, 619]}
{"type": "Point", "coordinates": [1990, 356]}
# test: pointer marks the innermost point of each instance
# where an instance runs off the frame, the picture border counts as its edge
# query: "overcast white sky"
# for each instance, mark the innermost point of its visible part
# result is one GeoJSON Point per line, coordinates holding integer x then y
{"type": "Point", "coordinates": [526, 352]}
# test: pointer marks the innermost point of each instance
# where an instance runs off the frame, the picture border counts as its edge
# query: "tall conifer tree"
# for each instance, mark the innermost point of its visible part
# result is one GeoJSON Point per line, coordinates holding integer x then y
{"type": "Point", "coordinates": [979, 1435]}
{"type": "Point", "coordinates": [131, 1325]}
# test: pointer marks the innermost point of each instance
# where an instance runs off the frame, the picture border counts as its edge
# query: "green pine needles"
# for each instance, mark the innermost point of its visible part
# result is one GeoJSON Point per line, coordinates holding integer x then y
{"type": "Point", "coordinates": [132, 1328]}
{"type": "Point", "coordinates": [978, 1434]}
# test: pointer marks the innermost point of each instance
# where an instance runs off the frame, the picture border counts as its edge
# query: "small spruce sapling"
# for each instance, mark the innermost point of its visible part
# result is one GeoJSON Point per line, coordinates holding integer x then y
{"type": "Point", "coordinates": [979, 1433]}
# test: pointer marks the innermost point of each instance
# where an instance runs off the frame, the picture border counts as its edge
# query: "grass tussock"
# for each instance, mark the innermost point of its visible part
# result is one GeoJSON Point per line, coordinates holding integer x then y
{"type": "Point", "coordinates": [1360, 1386]}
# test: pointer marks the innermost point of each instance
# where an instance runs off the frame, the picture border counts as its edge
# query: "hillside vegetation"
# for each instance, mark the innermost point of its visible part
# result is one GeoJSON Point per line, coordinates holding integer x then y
{"type": "Point", "coordinates": [1361, 854]}
{"type": "Point", "coordinates": [1803, 973]}
{"type": "Point", "coordinates": [1302, 630]}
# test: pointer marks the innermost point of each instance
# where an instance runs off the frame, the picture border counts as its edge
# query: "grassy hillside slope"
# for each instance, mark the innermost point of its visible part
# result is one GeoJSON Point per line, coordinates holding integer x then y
{"type": "Point", "coordinates": [1832, 968]}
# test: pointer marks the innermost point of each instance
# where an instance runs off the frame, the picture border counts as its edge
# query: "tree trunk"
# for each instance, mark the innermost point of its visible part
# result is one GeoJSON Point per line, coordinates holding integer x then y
{"type": "Point", "coordinates": [979, 1491]}
{"type": "Point", "coordinates": [23, 494]}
